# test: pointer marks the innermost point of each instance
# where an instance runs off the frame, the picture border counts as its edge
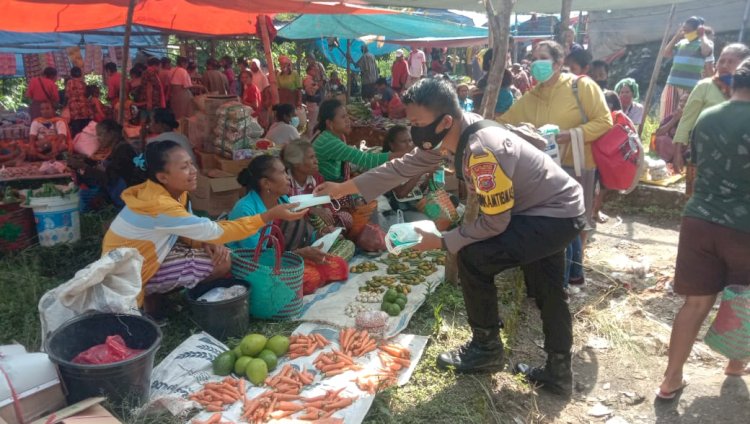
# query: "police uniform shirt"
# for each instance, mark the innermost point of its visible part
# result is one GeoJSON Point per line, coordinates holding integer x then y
{"type": "Point", "coordinates": [509, 176]}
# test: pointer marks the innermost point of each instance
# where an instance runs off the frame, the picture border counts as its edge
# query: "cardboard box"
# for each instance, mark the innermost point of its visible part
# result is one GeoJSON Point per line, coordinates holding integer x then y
{"type": "Point", "coordinates": [34, 379]}
{"type": "Point", "coordinates": [86, 411]}
{"type": "Point", "coordinates": [232, 166]}
{"type": "Point", "coordinates": [206, 160]}
{"type": "Point", "coordinates": [216, 194]}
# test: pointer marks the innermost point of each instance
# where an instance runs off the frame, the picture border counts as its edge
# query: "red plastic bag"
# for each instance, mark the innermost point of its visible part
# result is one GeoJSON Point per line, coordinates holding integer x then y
{"type": "Point", "coordinates": [111, 351]}
{"type": "Point", "coordinates": [371, 239]}
{"type": "Point", "coordinates": [318, 275]}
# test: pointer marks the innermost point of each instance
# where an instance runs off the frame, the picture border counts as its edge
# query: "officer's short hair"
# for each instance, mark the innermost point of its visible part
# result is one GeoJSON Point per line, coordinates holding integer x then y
{"type": "Point", "coordinates": [437, 95]}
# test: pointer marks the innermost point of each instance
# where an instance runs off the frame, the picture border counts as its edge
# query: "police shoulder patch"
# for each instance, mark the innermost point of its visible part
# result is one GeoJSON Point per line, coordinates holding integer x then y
{"type": "Point", "coordinates": [493, 188]}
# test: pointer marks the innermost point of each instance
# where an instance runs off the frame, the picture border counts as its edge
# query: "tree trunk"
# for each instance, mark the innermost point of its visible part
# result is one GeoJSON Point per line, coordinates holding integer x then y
{"type": "Point", "coordinates": [567, 5]}
{"type": "Point", "coordinates": [498, 13]}
{"type": "Point", "coordinates": [272, 82]}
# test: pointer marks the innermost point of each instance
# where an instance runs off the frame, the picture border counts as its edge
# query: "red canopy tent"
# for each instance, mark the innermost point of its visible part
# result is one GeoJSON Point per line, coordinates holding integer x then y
{"type": "Point", "coordinates": [205, 17]}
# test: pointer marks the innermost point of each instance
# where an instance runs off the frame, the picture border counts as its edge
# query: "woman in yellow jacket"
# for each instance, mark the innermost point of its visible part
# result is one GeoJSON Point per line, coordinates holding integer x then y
{"type": "Point", "coordinates": [158, 221]}
{"type": "Point", "coordinates": [553, 101]}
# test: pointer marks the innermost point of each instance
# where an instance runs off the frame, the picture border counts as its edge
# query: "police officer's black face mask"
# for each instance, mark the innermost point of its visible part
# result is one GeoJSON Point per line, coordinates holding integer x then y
{"type": "Point", "coordinates": [425, 137]}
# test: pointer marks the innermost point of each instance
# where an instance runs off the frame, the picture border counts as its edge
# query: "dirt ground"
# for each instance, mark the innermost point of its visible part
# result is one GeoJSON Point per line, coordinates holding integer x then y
{"type": "Point", "coordinates": [622, 323]}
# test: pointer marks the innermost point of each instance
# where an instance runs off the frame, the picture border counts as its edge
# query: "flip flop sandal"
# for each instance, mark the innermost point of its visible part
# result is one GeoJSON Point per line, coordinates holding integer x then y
{"type": "Point", "coordinates": [660, 394]}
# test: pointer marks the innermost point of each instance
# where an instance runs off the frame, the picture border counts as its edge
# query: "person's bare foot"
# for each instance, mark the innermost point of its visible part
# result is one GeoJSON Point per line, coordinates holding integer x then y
{"type": "Point", "coordinates": [736, 368]}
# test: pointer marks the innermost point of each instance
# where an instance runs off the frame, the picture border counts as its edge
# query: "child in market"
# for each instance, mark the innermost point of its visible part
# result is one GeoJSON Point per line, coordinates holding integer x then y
{"type": "Point", "coordinates": [48, 136]}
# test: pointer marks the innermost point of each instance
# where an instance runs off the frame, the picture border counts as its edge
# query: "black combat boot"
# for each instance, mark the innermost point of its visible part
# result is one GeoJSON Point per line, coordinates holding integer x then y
{"type": "Point", "coordinates": [556, 376]}
{"type": "Point", "coordinates": [484, 353]}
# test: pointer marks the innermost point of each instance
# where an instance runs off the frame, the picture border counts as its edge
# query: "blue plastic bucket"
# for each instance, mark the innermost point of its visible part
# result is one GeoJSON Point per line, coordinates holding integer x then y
{"type": "Point", "coordinates": [57, 219]}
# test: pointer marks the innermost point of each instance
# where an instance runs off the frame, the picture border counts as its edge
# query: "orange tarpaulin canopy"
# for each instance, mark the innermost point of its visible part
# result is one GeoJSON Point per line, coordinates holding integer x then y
{"type": "Point", "coordinates": [209, 17]}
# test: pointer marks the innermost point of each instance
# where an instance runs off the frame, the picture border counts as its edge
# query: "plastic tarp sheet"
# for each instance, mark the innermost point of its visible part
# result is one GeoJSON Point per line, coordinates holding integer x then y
{"type": "Point", "coordinates": [208, 17]}
{"type": "Point", "coordinates": [337, 55]}
{"type": "Point", "coordinates": [150, 40]}
{"type": "Point", "coordinates": [541, 6]}
{"type": "Point", "coordinates": [394, 27]}
{"type": "Point", "coordinates": [611, 32]}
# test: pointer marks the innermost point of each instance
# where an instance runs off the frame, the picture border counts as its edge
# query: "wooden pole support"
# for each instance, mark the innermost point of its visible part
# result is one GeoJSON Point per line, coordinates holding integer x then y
{"type": "Point", "coordinates": [126, 56]}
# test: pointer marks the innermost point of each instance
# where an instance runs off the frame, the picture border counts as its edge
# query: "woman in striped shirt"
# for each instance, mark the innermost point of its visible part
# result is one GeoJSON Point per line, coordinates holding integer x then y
{"type": "Point", "coordinates": [334, 155]}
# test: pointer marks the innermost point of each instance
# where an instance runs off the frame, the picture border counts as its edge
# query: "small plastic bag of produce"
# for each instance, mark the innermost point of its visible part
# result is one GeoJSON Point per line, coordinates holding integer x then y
{"type": "Point", "coordinates": [404, 236]}
{"type": "Point", "coordinates": [112, 350]}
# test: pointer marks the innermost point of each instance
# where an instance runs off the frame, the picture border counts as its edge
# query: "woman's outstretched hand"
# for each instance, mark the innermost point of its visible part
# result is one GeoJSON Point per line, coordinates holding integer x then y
{"type": "Point", "coordinates": [284, 212]}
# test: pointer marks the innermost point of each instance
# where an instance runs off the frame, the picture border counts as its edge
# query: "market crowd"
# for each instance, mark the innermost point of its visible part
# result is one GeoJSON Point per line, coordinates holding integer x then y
{"type": "Point", "coordinates": [534, 212]}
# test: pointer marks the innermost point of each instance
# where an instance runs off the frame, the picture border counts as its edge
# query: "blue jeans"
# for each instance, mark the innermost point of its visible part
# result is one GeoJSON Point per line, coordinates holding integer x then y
{"type": "Point", "coordinates": [574, 261]}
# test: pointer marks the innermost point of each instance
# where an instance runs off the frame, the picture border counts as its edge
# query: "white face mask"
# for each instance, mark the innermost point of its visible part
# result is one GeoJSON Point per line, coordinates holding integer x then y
{"type": "Point", "coordinates": [295, 121]}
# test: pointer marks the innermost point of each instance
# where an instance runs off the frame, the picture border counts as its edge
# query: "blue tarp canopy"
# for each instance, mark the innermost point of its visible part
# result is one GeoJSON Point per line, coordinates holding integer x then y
{"type": "Point", "coordinates": [384, 33]}
{"type": "Point", "coordinates": [393, 28]}
{"type": "Point", "coordinates": [142, 38]}
{"type": "Point", "coordinates": [337, 55]}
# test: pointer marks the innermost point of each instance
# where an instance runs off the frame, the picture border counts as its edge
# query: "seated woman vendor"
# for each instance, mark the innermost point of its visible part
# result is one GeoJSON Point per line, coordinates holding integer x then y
{"type": "Point", "coordinates": [334, 155]}
{"type": "Point", "coordinates": [48, 136]}
{"type": "Point", "coordinates": [406, 196]}
{"type": "Point", "coordinates": [267, 186]}
{"type": "Point", "coordinates": [302, 168]}
{"type": "Point", "coordinates": [179, 249]}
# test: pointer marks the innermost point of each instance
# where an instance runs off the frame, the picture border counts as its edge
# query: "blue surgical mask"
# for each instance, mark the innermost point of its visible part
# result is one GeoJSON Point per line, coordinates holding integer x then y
{"type": "Point", "coordinates": [726, 79]}
{"type": "Point", "coordinates": [295, 121]}
{"type": "Point", "coordinates": [542, 70]}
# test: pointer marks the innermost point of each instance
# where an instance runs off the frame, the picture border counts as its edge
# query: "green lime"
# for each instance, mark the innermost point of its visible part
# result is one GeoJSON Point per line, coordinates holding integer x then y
{"type": "Point", "coordinates": [270, 358]}
{"type": "Point", "coordinates": [237, 351]}
{"type": "Point", "coordinates": [252, 344]}
{"type": "Point", "coordinates": [256, 371]}
{"type": "Point", "coordinates": [278, 345]}
{"type": "Point", "coordinates": [241, 364]}
{"type": "Point", "coordinates": [224, 363]}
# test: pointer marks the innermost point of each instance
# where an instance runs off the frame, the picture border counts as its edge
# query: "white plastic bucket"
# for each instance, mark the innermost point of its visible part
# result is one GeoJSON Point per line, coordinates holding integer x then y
{"type": "Point", "coordinates": [57, 219]}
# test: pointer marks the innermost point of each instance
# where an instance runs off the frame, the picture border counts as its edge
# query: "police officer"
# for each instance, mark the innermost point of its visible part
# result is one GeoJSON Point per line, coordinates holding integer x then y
{"type": "Point", "coordinates": [530, 210]}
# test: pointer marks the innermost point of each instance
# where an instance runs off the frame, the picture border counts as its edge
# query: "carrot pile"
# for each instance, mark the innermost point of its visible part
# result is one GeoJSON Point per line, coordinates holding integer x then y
{"type": "Point", "coordinates": [305, 345]}
{"type": "Point", "coordinates": [356, 343]}
{"type": "Point", "coordinates": [213, 419]}
{"type": "Point", "coordinates": [334, 363]}
{"type": "Point", "coordinates": [270, 405]}
{"type": "Point", "coordinates": [394, 358]}
{"type": "Point", "coordinates": [322, 407]}
{"type": "Point", "coordinates": [289, 380]}
{"type": "Point", "coordinates": [215, 396]}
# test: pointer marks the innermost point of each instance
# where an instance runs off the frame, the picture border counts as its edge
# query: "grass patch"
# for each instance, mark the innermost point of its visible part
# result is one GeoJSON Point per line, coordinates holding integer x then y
{"type": "Point", "coordinates": [432, 395]}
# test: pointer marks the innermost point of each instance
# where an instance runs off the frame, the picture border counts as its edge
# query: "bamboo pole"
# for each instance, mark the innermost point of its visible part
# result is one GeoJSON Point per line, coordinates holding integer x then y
{"type": "Point", "coordinates": [657, 66]}
{"type": "Point", "coordinates": [567, 5]}
{"type": "Point", "coordinates": [348, 69]}
{"type": "Point", "coordinates": [269, 59]}
{"type": "Point", "coordinates": [126, 55]}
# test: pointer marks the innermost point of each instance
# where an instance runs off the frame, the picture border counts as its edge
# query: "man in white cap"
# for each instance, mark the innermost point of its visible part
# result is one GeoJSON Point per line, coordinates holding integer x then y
{"type": "Point", "coordinates": [399, 72]}
{"type": "Point", "coordinates": [417, 65]}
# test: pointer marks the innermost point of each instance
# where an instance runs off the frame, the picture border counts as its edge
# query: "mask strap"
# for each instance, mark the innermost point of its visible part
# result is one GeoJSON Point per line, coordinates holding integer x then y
{"type": "Point", "coordinates": [336, 208]}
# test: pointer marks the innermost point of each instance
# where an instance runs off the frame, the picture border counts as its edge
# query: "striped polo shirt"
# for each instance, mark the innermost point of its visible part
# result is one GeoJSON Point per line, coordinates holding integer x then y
{"type": "Point", "coordinates": [687, 65]}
